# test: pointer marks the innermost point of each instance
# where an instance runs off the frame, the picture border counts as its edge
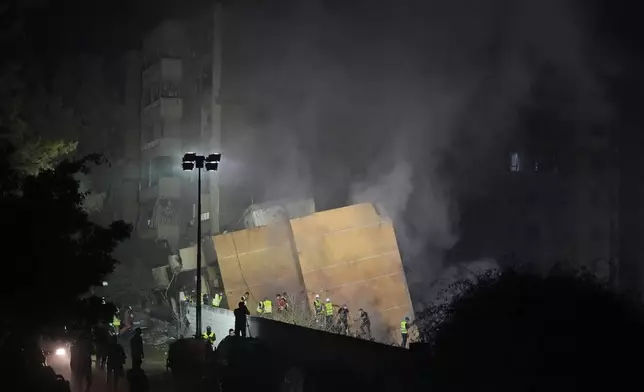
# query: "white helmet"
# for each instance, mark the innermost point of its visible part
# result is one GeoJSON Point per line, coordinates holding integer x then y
{"type": "Point", "coordinates": [317, 295]}
{"type": "Point", "coordinates": [328, 300]}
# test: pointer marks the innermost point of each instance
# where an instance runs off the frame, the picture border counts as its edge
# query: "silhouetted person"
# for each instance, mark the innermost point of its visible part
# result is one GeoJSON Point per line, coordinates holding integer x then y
{"type": "Point", "coordinates": [115, 361]}
{"type": "Point", "coordinates": [81, 362]}
{"type": "Point", "coordinates": [102, 341]}
{"type": "Point", "coordinates": [136, 349]}
{"type": "Point", "coordinates": [522, 332]}
{"type": "Point", "coordinates": [240, 319]}
{"type": "Point", "coordinates": [343, 320]}
{"type": "Point", "coordinates": [365, 323]}
{"type": "Point", "coordinates": [138, 380]}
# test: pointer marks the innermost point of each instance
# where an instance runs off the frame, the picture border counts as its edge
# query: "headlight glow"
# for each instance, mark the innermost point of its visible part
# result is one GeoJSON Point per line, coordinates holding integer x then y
{"type": "Point", "coordinates": [61, 351]}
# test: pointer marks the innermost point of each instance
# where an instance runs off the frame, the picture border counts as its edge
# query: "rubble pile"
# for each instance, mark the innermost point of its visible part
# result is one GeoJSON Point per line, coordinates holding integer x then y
{"type": "Point", "coordinates": [159, 333]}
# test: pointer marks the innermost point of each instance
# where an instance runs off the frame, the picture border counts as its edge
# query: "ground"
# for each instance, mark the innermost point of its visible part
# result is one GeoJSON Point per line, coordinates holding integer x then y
{"type": "Point", "coordinates": [154, 366]}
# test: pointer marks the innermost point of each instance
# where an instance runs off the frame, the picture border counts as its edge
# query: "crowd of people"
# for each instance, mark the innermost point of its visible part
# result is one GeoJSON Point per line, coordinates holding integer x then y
{"type": "Point", "coordinates": [104, 340]}
{"type": "Point", "coordinates": [327, 315]}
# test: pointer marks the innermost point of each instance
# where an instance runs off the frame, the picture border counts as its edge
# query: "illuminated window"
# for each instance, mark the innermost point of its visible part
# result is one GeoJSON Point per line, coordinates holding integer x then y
{"type": "Point", "coordinates": [205, 216]}
{"type": "Point", "coordinates": [515, 162]}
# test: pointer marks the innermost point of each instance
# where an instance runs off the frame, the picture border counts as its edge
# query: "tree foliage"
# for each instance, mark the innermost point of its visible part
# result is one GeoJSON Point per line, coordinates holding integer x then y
{"type": "Point", "coordinates": [55, 253]}
{"type": "Point", "coordinates": [520, 331]}
{"type": "Point", "coordinates": [26, 149]}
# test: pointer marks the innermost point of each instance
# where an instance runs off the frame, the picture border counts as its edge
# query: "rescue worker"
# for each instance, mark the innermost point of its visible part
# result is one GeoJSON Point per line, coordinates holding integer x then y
{"type": "Point", "coordinates": [318, 308]}
{"type": "Point", "coordinates": [404, 326]}
{"type": "Point", "coordinates": [343, 320]}
{"type": "Point", "coordinates": [286, 301]}
{"type": "Point", "coordinates": [365, 323]}
{"type": "Point", "coordinates": [240, 319]}
{"type": "Point", "coordinates": [204, 299]}
{"type": "Point", "coordinates": [268, 307]}
{"type": "Point", "coordinates": [281, 302]}
{"type": "Point", "coordinates": [116, 323]}
{"type": "Point", "coordinates": [216, 300]}
{"type": "Point", "coordinates": [245, 297]}
{"type": "Point", "coordinates": [260, 307]}
{"type": "Point", "coordinates": [210, 336]}
{"type": "Point", "coordinates": [231, 332]}
{"type": "Point", "coordinates": [136, 349]}
{"type": "Point", "coordinates": [328, 308]}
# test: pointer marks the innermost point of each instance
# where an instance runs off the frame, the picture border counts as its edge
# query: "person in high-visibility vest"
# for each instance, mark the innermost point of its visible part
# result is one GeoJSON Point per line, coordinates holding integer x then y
{"type": "Point", "coordinates": [329, 312]}
{"type": "Point", "coordinates": [116, 323]}
{"type": "Point", "coordinates": [209, 336]}
{"type": "Point", "coordinates": [260, 307]}
{"type": "Point", "coordinates": [216, 300]}
{"type": "Point", "coordinates": [268, 306]}
{"type": "Point", "coordinates": [404, 326]}
{"type": "Point", "coordinates": [318, 308]}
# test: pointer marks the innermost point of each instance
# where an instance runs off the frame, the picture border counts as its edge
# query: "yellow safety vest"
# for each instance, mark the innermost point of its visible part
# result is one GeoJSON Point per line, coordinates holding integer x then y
{"type": "Point", "coordinates": [260, 308]}
{"type": "Point", "coordinates": [403, 327]}
{"type": "Point", "coordinates": [329, 309]}
{"type": "Point", "coordinates": [216, 300]}
{"type": "Point", "coordinates": [268, 306]}
{"type": "Point", "coordinates": [210, 337]}
{"type": "Point", "coordinates": [116, 322]}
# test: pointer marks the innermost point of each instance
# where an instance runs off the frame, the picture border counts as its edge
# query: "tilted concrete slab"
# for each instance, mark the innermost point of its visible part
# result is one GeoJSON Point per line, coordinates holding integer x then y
{"type": "Point", "coordinates": [348, 254]}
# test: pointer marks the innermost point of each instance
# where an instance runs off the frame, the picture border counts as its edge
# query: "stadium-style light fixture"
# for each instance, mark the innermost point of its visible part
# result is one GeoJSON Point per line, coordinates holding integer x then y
{"type": "Point", "coordinates": [189, 162]}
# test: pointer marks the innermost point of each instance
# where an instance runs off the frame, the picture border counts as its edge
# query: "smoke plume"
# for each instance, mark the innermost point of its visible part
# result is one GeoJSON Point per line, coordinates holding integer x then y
{"type": "Point", "coordinates": [409, 104]}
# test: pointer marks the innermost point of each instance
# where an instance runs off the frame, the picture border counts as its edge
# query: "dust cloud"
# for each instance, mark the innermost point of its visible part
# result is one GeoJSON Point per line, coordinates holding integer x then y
{"type": "Point", "coordinates": [408, 104]}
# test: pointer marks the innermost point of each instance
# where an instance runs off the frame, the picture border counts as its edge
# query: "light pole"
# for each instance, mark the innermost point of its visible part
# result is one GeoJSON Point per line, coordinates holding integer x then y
{"type": "Point", "coordinates": [210, 163]}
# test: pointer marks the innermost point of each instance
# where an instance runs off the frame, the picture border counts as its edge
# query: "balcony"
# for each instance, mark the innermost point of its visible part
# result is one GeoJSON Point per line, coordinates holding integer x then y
{"type": "Point", "coordinates": [170, 69]}
{"type": "Point", "coordinates": [167, 187]}
{"type": "Point", "coordinates": [164, 108]}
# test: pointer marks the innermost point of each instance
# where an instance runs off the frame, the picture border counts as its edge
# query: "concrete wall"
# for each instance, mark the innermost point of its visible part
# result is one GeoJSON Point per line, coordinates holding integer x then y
{"type": "Point", "coordinates": [348, 254]}
{"type": "Point", "coordinates": [258, 260]}
{"type": "Point", "coordinates": [220, 320]}
{"type": "Point", "coordinates": [302, 347]}
{"type": "Point", "coordinates": [351, 255]}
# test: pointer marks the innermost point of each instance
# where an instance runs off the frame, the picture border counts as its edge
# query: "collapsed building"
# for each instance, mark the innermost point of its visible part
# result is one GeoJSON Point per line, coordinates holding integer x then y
{"type": "Point", "coordinates": [348, 254]}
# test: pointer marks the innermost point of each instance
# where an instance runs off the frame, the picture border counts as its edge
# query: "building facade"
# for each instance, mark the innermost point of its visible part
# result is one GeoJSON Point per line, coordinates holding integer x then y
{"type": "Point", "coordinates": [179, 113]}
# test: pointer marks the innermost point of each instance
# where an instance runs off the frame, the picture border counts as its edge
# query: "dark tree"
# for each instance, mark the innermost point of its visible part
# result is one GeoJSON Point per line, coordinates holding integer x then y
{"type": "Point", "coordinates": [522, 332]}
{"type": "Point", "coordinates": [53, 252]}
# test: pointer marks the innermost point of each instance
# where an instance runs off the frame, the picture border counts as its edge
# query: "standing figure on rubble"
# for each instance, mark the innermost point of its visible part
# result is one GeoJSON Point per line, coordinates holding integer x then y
{"type": "Point", "coordinates": [343, 320]}
{"type": "Point", "coordinates": [268, 307]}
{"type": "Point", "coordinates": [328, 309]}
{"type": "Point", "coordinates": [281, 302]}
{"type": "Point", "coordinates": [286, 301]}
{"type": "Point", "coordinates": [240, 319]}
{"type": "Point", "coordinates": [365, 324]}
{"type": "Point", "coordinates": [260, 307]}
{"type": "Point", "coordinates": [216, 299]}
{"type": "Point", "coordinates": [318, 308]}
{"type": "Point", "coordinates": [244, 298]}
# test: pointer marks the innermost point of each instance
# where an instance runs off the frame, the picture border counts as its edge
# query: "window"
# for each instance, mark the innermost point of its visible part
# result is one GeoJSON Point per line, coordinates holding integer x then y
{"type": "Point", "coordinates": [169, 90]}
{"type": "Point", "coordinates": [161, 167]}
{"type": "Point", "coordinates": [515, 162]}
{"type": "Point", "coordinates": [205, 216]}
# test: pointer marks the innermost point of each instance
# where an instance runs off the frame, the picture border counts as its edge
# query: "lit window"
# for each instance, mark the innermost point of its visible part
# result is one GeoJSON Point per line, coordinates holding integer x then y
{"type": "Point", "coordinates": [515, 162]}
{"type": "Point", "coordinates": [205, 216]}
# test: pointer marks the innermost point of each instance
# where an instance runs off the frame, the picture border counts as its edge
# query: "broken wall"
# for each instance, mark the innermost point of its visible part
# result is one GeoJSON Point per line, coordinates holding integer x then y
{"type": "Point", "coordinates": [351, 255]}
{"type": "Point", "coordinates": [258, 260]}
